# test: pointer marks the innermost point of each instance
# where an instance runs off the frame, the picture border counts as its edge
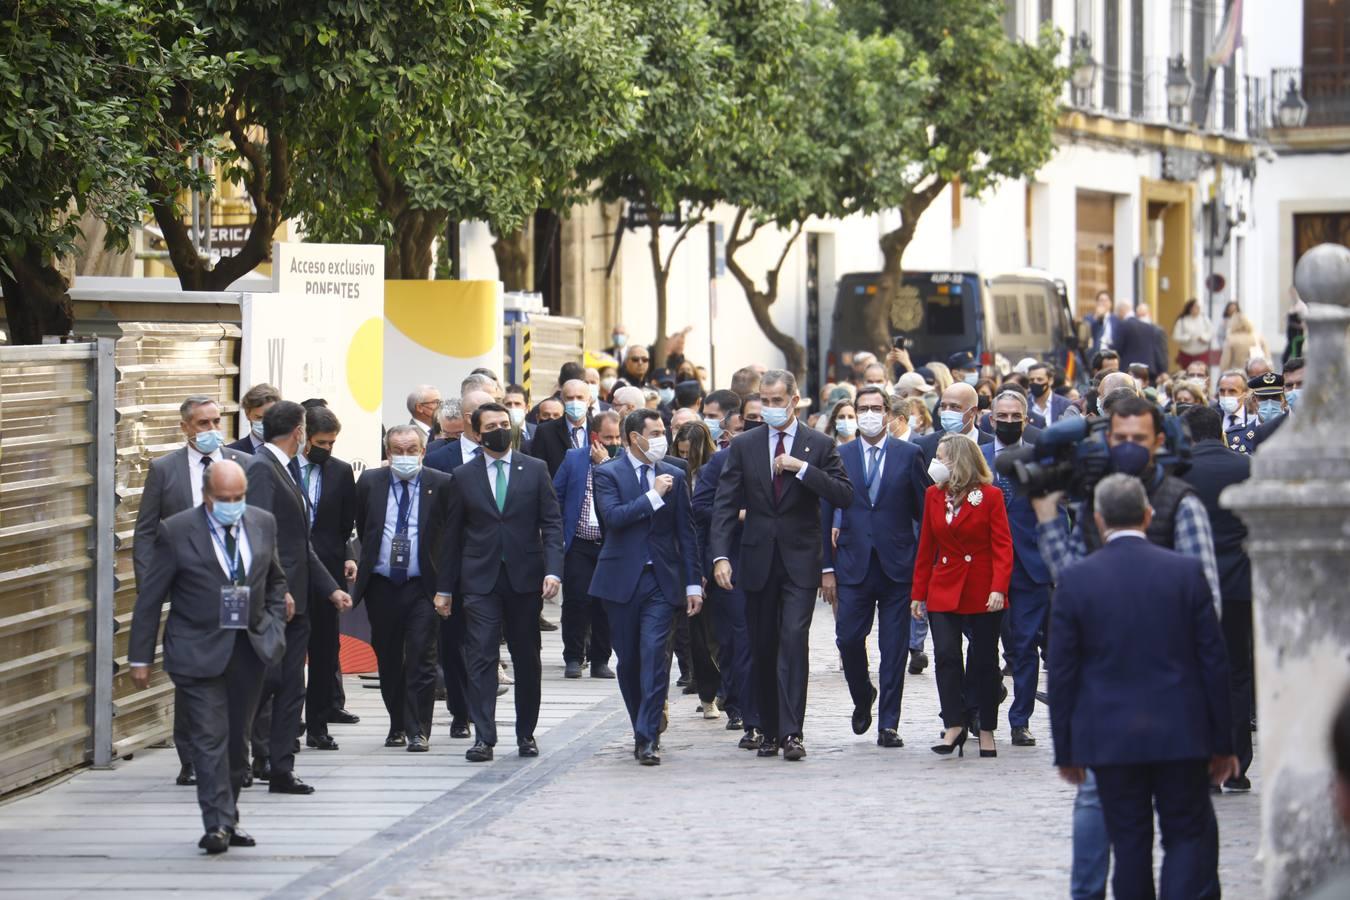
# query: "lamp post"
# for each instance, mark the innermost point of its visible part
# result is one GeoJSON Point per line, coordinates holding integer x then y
{"type": "Point", "coordinates": [1293, 110]}
{"type": "Point", "coordinates": [1179, 87]}
{"type": "Point", "coordinates": [1084, 69]}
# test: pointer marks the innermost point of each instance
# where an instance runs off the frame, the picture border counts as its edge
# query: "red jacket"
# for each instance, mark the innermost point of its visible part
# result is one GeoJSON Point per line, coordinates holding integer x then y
{"type": "Point", "coordinates": [959, 565]}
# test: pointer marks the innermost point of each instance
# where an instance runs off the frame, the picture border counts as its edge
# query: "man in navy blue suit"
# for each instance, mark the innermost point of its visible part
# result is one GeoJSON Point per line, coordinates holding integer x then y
{"type": "Point", "coordinates": [1139, 694]}
{"type": "Point", "coordinates": [1046, 407]}
{"type": "Point", "coordinates": [585, 627]}
{"type": "Point", "coordinates": [869, 572]}
{"type": "Point", "coordinates": [1029, 591]}
{"type": "Point", "coordinates": [647, 570]}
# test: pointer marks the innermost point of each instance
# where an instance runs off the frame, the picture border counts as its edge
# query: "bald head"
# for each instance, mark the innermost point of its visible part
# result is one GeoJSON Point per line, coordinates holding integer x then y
{"type": "Point", "coordinates": [1115, 381]}
{"type": "Point", "coordinates": [626, 399]}
{"type": "Point", "coordinates": [472, 400]}
{"type": "Point", "coordinates": [1124, 307]}
{"type": "Point", "coordinates": [224, 480]}
{"type": "Point", "coordinates": [960, 395]}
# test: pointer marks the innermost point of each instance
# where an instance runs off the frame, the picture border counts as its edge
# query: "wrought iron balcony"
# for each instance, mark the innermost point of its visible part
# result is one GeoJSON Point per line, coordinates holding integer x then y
{"type": "Point", "coordinates": [1310, 97]}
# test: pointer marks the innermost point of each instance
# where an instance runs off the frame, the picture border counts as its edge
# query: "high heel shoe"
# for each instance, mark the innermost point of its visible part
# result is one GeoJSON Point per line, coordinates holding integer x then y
{"type": "Point", "coordinates": [988, 754]}
{"type": "Point", "coordinates": [959, 745]}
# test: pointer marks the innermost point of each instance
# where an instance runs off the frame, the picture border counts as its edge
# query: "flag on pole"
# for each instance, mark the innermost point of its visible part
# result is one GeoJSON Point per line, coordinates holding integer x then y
{"type": "Point", "coordinates": [1229, 38]}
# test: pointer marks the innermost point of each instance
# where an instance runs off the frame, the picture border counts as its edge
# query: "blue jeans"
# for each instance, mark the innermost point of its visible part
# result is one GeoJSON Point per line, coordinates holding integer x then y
{"type": "Point", "coordinates": [1091, 847]}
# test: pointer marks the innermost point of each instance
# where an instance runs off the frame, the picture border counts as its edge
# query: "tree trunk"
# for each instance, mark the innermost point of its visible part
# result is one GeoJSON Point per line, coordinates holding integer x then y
{"type": "Point", "coordinates": [893, 246]}
{"type": "Point", "coordinates": [515, 259]}
{"type": "Point", "coordinates": [409, 254]}
{"type": "Point", "coordinates": [794, 354]}
{"type": "Point", "coordinates": [661, 274]}
{"type": "Point", "coordinates": [37, 301]}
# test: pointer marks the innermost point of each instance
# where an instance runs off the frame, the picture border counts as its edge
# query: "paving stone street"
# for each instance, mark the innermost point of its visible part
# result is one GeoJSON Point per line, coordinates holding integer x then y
{"type": "Point", "coordinates": [584, 820]}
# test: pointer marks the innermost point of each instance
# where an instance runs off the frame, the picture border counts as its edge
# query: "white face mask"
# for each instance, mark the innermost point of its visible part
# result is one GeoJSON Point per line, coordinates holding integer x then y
{"type": "Point", "coordinates": [1228, 404]}
{"type": "Point", "coordinates": [656, 449]}
{"type": "Point", "coordinates": [517, 416]}
{"type": "Point", "coordinates": [938, 471]}
{"type": "Point", "coordinates": [871, 423]}
{"type": "Point", "coordinates": [915, 423]}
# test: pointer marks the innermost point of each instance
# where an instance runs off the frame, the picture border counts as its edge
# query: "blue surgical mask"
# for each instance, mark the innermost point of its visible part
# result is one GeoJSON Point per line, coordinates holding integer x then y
{"type": "Point", "coordinates": [667, 395]}
{"type": "Point", "coordinates": [208, 442]}
{"type": "Point", "coordinates": [714, 427]}
{"type": "Point", "coordinates": [576, 409]}
{"type": "Point", "coordinates": [1229, 404]}
{"type": "Point", "coordinates": [1269, 409]}
{"type": "Point", "coordinates": [227, 514]}
{"type": "Point", "coordinates": [620, 340]}
{"type": "Point", "coordinates": [971, 378]}
{"type": "Point", "coordinates": [406, 467]}
{"type": "Point", "coordinates": [775, 416]}
{"type": "Point", "coordinates": [258, 429]}
{"type": "Point", "coordinates": [952, 422]}
{"type": "Point", "coordinates": [846, 427]}
{"type": "Point", "coordinates": [1129, 458]}
{"type": "Point", "coordinates": [1291, 397]}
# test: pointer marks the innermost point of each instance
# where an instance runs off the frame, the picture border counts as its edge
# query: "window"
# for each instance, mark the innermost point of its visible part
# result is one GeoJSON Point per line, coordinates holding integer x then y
{"type": "Point", "coordinates": [1111, 73]}
{"type": "Point", "coordinates": [1047, 11]}
{"type": "Point", "coordinates": [1037, 321]}
{"type": "Point", "coordinates": [1137, 58]}
{"type": "Point", "coordinates": [1007, 316]}
{"type": "Point", "coordinates": [944, 310]}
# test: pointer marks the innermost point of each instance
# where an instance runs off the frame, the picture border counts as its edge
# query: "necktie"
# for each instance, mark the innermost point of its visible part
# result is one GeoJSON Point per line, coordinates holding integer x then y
{"type": "Point", "coordinates": [206, 464]}
{"type": "Point", "coordinates": [477, 452]}
{"type": "Point", "coordinates": [779, 479]}
{"type": "Point", "coordinates": [399, 574]}
{"type": "Point", "coordinates": [642, 478]}
{"type": "Point", "coordinates": [501, 484]}
{"type": "Point", "coordinates": [294, 468]}
{"type": "Point", "coordinates": [1232, 421]}
{"type": "Point", "coordinates": [309, 469]}
{"type": "Point", "coordinates": [873, 482]}
{"type": "Point", "coordinates": [578, 435]}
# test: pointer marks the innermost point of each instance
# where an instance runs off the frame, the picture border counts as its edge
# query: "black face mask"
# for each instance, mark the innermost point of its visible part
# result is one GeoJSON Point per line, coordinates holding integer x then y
{"type": "Point", "coordinates": [1008, 433]}
{"type": "Point", "coordinates": [318, 455]}
{"type": "Point", "coordinates": [613, 450]}
{"type": "Point", "coordinates": [985, 401]}
{"type": "Point", "coordinates": [1038, 389]}
{"type": "Point", "coordinates": [497, 441]}
{"type": "Point", "coordinates": [749, 424]}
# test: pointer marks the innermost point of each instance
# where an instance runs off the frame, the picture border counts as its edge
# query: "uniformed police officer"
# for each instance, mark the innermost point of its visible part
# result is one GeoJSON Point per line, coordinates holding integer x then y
{"type": "Point", "coordinates": [1239, 425]}
{"type": "Point", "coordinates": [1268, 389]}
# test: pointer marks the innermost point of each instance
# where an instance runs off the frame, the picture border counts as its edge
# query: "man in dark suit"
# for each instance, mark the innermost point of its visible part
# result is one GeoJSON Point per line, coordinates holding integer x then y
{"type": "Point", "coordinates": [254, 404]}
{"type": "Point", "coordinates": [330, 488]}
{"type": "Point", "coordinates": [1157, 340]}
{"type": "Point", "coordinates": [1045, 406]}
{"type": "Point", "coordinates": [1213, 468]}
{"type": "Point", "coordinates": [585, 626]}
{"type": "Point", "coordinates": [450, 455]}
{"type": "Point", "coordinates": [504, 550]}
{"type": "Point", "coordinates": [778, 475]}
{"type": "Point", "coordinates": [274, 484]}
{"type": "Point", "coordinates": [449, 424]}
{"type": "Point", "coordinates": [553, 439]}
{"type": "Point", "coordinates": [868, 575]}
{"type": "Point", "coordinates": [173, 484]}
{"type": "Point", "coordinates": [1029, 590]}
{"type": "Point", "coordinates": [958, 413]}
{"type": "Point", "coordinates": [218, 569]}
{"type": "Point", "coordinates": [401, 511]}
{"type": "Point", "coordinates": [1131, 338]}
{"type": "Point", "coordinates": [647, 571]}
{"type": "Point", "coordinates": [1139, 694]}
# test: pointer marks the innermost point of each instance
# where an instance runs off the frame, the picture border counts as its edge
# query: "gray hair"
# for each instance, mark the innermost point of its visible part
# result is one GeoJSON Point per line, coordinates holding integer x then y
{"type": "Point", "coordinates": [194, 401]}
{"type": "Point", "coordinates": [418, 396]}
{"type": "Point", "coordinates": [1121, 501]}
{"type": "Point", "coordinates": [1011, 395]}
{"type": "Point", "coordinates": [476, 382]}
{"type": "Point", "coordinates": [628, 396]}
{"type": "Point", "coordinates": [780, 376]}
{"type": "Point", "coordinates": [403, 429]}
{"type": "Point", "coordinates": [450, 410]}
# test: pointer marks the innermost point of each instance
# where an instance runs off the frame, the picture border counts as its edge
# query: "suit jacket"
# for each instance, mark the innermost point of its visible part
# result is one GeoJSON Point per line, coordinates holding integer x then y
{"type": "Point", "coordinates": [244, 445]}
{"type": "Point", "coordinates": [552, 440]}
{"type": "Point", "coordinates": [1029, 566]}
{"type": "Point", "coordinates": [960, 563]}
{"type": "Point", "coordinates": [1134, 342]}
{"type": "Point", "coordinates": [167, 492]}
{"type": "Point", "coordinates": [886, 528]}
{"type": "Point", "coordinates": [636, 534]}
{"type": "Point", "coordinates": [334, 517]}
{"type": "Point", "coordinates": [1059, 407]}
{"type": "Point", "coordinates": [433, 509]}
{"type": "Point", "coordinates": [790, 527]}
{"type": "Point", "coordinates": [1158, 341]}
{"type": "Point", "coordinates": [569, 483]}
{"type": "Point", "coordinates": [928, 443]}
{"type": "Point", "coordinates": [438, 443]}
{"type": "Point", "coordinates": [705, 492]}
{"type": "Point", "coordinates": [272, 488]}
{"type": "Point", "coordinates": [1138, 673]}
{"type": "Point", "coordinates": [446, 458]}
{"type": "Point", "coordinates": [184, 570]}
{"type": "Point", "coordinates": [526, 535]}
{"type": "Point", "coordinates": [1213, 468]}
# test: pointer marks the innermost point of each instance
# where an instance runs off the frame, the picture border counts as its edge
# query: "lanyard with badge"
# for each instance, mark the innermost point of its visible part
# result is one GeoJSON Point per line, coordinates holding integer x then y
{"type": "Point", "coordinates": [400, 546]}
{"type": "Point", "coordinates": [234, 597]}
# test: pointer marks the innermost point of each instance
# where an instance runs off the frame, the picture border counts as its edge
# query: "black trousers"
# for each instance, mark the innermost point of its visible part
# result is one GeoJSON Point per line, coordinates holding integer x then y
{"type": "Point", "coordinates": [487, 617]}
{"type": "Point", "coordinates": [679, 641]}
{"type": "Point", "coordinates": [217, 712]}
{"type": "Point", "coordinates": [284, 689]}
{"type": "Point", "coordinates": [451, 652]}
{"type": "Point", "coordinates": [703, 652]}
{"type": "Point", "coordinates": [403, 632]}
{"type": "Point", "coordinates": [984, 676]}
{"type": "Point", "coordinates": [1237, 635]}
{"type": "Point", "coordinates": [779, 619]}
{"type": "Point", "coordinates": [323, 661]}
{"type": "Point", "coordinates": [585, 624]}
{"type": "Point", "coordinates": [182, 731]}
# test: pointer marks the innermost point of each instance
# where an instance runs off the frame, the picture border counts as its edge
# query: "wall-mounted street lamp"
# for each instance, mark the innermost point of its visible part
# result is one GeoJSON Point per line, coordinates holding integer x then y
{"type": "Point", "coordinates": [1083, 72]}
{"type": "Point", "coordinates": [1179, 88]}
{"type": "Point", "coordinates": [1293, 110]}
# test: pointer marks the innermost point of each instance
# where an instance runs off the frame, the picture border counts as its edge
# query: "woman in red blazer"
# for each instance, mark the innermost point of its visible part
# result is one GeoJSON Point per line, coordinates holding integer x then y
{"type": "Point", "coordinates": [961, 573]}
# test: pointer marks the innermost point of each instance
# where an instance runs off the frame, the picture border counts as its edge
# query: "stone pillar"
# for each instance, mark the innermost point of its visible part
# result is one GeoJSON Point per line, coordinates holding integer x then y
{"type": "Point", "coordinates": [1297, 509]}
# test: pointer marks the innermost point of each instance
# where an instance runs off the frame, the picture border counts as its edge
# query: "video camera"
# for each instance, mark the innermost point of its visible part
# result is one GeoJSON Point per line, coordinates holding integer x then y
{"type": "Point", "coordinates": [1070, 456]}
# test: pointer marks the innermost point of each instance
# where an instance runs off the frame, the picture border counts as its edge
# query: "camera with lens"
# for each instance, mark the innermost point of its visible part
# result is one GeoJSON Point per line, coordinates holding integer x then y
{"type": "Point", "coordinates": [1069, 456]}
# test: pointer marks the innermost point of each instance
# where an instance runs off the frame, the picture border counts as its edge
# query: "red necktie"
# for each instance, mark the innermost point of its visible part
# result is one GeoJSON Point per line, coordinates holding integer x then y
{"type": "Point", "coordinates": [779, 479]}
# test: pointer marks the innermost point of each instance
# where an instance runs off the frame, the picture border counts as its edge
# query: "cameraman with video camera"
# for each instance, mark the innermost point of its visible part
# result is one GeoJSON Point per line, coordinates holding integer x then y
{"type": "Point", "coordinates": [1135, 435]}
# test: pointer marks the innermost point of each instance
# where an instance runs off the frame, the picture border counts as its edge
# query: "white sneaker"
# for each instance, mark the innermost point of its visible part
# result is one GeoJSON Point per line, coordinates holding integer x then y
{"type": "Point", "coordinates": [503, 678]}
{"type": "Point", "coordinates": [710, 710]}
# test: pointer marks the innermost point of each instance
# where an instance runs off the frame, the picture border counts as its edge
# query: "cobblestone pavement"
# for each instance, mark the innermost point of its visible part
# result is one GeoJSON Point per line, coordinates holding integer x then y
{"type": "Point", "coordinates": [716, 821]}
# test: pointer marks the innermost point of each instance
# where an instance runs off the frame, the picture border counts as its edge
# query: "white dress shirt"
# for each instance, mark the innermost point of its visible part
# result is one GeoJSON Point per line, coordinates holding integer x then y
{"type": "Point", "coordinates": [467, 448]}
{"type": "Point", "coordinates": [657, 501]}
{"type": "Point", "coordinates": [280, 455]}
{"type": "Point", "coordinates": [492, 471]}
{"type": "Point", "coordinates": [396, 487]}
{"type": "Point", "coordinates": [196, 470]}
{"type": "Point", "coordinates": [791, 433]}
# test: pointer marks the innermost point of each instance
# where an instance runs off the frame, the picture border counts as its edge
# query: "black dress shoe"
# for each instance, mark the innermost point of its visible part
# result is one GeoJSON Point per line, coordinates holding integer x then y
{"type": "Point", "coordinates": [321, 742]}
{"type": "Point", "coordinates": [1002, 693]}
{"type": "Point", "coordinates": [918, 661]}
{"type": "Point", "coordinates": [683, 681]}
{"type": "Point", "coordinates": [752, 740]}
{"type": "Point", "coordinates": [262, 768]}
{"type": "Point", "coordinates": [793, 749]}
{"type": "Point", "coordinates": [649, 755]}
{"type": "Point", "coordinates": [527, 747]}
{"type": "Point", "coordinates": [295, 747]}
{"type": "Point", "coordinates": [889, 737]}
{"type": "Point", "coordinates": [767, 747]}
{"type": "Point", "coordinates": [600, 670]}
{"type": "Point", "coordinates": [546, 625]}
{"type": "Point", "coordinates": [187, 776]}
{"type": "Point", "coordinates": [479, 752]}
{"type": "Point", "coordinates": [248, 779]}
{"type": "Point", "coordinates": [459, 729]}
{"type": "Point", "coordinates": [1006, 671]}
{"type": "Point", "coordinates": [862, 715]}
{"type": "Point", "coordinates": [288, 783]}
{"type": "Point", "coordinates": [418, 744]}
{"type": "Point", "coordinates": [572, 670]}
{"type": "Point", "coordinates": [217, 840]}
{"type": "Point", "coordinates": [342, 717]}
{"type": "Point", "coordinates": [241, 838]}
{"type": "Point", "coordinates": [734, 723]}
{"type": "Point", "coordinates": [396, 739]}
{"type": "Point", "coordinates": [1021, 737]}
{"type": "Point", "coordinates": [637, 749]}
{"type": "Point", "coordinates": [1240, 785]}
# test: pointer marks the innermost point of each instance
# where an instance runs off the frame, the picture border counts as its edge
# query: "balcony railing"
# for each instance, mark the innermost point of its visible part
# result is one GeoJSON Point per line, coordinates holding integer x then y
{"type": "Point", "coordinates": [1325, 90]}
{"type": "Point", "coordinates": [1236, 109]}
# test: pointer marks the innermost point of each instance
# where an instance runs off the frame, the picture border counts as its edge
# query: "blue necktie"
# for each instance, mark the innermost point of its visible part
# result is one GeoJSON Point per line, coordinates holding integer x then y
{"type": "Point", "coordinates": [642, 478]}
{"type": "Point", "coordinates": [399, 574]}
{"type": "Point", "coordinates": [294, 468]}
{"type": "Point", "coordinates": [873, 482]}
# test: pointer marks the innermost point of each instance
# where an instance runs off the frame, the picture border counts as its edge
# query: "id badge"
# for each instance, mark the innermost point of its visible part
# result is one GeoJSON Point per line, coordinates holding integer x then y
{"type": "Point", "coordinates": [400, 552]}
{"type": "Point", "coordinates": [234, 607]}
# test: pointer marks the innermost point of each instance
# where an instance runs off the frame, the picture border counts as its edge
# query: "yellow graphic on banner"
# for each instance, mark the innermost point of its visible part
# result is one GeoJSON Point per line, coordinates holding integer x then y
{"type": "Point", "coordinates": [365, 364]}
{"type": "Point", "coordinates": [451, 318]}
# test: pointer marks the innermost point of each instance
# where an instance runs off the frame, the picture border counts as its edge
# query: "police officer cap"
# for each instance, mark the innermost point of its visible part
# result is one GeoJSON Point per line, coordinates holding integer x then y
{"type": "Point", "coordinates": [1267, 385]}
{"type": "Point", "coordinates": [962, 360]}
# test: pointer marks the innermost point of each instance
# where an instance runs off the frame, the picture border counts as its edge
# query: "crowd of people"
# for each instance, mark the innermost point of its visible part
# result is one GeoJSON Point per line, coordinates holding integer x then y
{"type": "Point", "coordinates": [696, 528]}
